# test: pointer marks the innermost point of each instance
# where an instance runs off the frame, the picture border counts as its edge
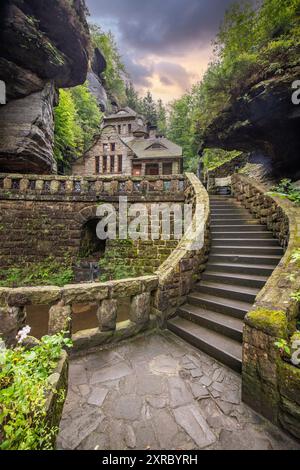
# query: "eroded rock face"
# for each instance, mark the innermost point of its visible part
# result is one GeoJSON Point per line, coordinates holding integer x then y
{"type": "Point", "coordinates": [27, 133]}
{"type": "Point", "coordinates": [96, 82]}
{"type": "Point", "coordinates": [262, 118]}
{"type": "Point", "coordinates": [43, 45]}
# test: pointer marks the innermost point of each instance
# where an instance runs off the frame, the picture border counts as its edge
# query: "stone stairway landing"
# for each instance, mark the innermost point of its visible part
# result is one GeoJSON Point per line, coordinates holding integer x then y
{"type": "Point", "coordinates": [243, 256]}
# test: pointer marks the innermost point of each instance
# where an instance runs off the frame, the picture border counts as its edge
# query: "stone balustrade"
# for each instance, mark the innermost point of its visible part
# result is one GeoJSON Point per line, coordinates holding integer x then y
{"type": "Point", "coordinates": [186, 263]}
{"type": "Point", "coordinates": [270, 385]}
{"type": "Point", "coordinates": [13, 302]}
{"type": "Point", "coordinates": [35, 187]}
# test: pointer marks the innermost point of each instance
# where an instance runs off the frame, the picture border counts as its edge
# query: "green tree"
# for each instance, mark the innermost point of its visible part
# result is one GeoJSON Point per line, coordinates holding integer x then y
{"type": "Point", "coordinates": [161, 117]}
{"type": "Point", "coordinates": [148, 109]}
{"type": "Point", "coordinates": [68, 135]}
{"type": "Point", "coordinates": [88, 112]}
{"type": "Point", "coordinates": [132, 97]}
{"type": "Point", "coordinates": [77, 120]}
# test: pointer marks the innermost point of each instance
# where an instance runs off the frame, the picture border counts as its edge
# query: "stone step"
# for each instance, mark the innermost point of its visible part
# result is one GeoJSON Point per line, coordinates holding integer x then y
{"type": "Point", "coordinates": [230, 291]}
{"type": "Point", "coordinates": [222, 348]}
{"type": "Point", "coordinates": [239, 221]}
{"type": "Point", "coordinates": [245, 242]}
{"type": "Point", "coordinates": [239, 279]}
{"type": "Point", "coordinates": [246, 259]}
{"type": "Point", "coordinates": [221, 217]}
{"type": "Point", "coordinates": [229, 210]}
{"type": "Point", "coordinates": [229, 326]}
{"type": "Point", "coordinates": [243, 255]}
{"type": "Point", "coordinates": [234, 228]}
{"type": "Point", "coordinates": [244, 234]}
{"type": "Point", "coordinates": [239, 268]}
{"type": "Point", "coordinates": [247, 250]}
{"type": "Point", "coordinates": [235, 308]}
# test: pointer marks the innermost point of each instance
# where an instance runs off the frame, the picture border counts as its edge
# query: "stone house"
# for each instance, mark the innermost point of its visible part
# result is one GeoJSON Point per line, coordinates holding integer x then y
{"type": "Point", "coordinates": [127, 146]}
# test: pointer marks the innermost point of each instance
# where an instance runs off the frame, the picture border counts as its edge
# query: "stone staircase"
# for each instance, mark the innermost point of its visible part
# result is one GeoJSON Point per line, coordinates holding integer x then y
{"type": "Point", "coordinates": [243, 255]}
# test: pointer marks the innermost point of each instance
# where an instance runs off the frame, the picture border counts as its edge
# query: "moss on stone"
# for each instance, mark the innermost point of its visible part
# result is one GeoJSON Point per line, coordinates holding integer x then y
{"type": "Point", "coordinates": [272, 322]}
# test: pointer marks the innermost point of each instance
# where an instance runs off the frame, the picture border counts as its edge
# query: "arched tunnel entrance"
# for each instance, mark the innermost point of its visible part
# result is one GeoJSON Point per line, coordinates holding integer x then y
{"type": "Point", "coordinates": [92, 249]}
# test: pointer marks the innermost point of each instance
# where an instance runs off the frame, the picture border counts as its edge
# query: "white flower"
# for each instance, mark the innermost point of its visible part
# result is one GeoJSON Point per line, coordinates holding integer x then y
{"type": "Point", "coordinates": [23, 334]}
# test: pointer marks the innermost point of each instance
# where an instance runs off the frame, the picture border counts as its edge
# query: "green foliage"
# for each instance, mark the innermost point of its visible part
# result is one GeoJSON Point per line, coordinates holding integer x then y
{"type": "Point", "coordinates": [212, 158]}
{"type": "Point", "coordinates": [88, 112]}
{"type": "Point", "coordinates": [68, 134]}
{"type": "Point", "coordinates": [287, 190]}
{"type": "Point", "coordinates": [47, 272]}
{"type": "Point", "coordinates": [296, 296]}
{"type": "Point", "coordinates": [296, 256]}
{"type": "Point", "coordinates": [23, 393]}
{"type": "Point", "coordinates": [283, 347]}
{"type": "Point", "coordinates": [153, 111]}
{"type": "Point", "coordinates": [115, 74]}
{"type": "Point", "coordinates": [77, 119]}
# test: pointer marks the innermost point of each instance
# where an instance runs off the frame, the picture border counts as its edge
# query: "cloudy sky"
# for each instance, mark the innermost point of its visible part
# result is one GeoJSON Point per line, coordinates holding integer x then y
{"type": "Point", "coordinates": [165, 44]}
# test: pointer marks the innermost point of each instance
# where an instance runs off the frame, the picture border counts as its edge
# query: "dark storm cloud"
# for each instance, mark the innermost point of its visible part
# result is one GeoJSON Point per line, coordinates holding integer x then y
{"type": "Point", "coordinates": [162, 26]}
{"type": "Point", "coordinates": [153, 36]}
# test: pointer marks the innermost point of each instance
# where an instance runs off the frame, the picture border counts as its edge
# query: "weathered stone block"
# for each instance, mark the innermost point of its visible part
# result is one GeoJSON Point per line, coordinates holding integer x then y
{"type": "Point", "coordinates": [140, 308]}
{"type": "Point", "coordinates": [12, 319]}
{"type": "Point", "coordinates": [126, 287]}
{"type": "Point", "coordinates": [59, 318]}
{"type": "Point", "coordinates": [107, 314]}
{"type": "Point", "coordinates": [80, 293]}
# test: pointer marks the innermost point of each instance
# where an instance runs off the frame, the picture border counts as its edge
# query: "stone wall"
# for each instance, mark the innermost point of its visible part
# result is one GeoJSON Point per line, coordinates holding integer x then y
{"type": "Point", "coordinates": [186, 263]}
{"type": "Point", "coordinates": [270, 385]}
{"type": "Point", "coordinates": [42, 216]}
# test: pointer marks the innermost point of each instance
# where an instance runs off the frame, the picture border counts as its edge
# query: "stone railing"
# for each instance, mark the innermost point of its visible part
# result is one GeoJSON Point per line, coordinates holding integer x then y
{"type": "Point", "coordinates": [270, 385]}
{"type": "Point", "coordinates": [183, 268]}
{"type": "Point", "coordinates": [61, 301]}
{"type": "Point", "coordinates": [53, 187]}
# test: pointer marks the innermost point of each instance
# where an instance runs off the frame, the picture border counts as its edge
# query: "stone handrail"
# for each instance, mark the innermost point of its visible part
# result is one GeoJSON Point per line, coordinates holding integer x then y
{"type": "Point", "coordinates": [181, 270]}
{"type": "Point", "coordinates": [270, 385]}
{"type": "Point", "coordinates": [13, 302]}
{"type": "Point", "coordinates": [33, 186]}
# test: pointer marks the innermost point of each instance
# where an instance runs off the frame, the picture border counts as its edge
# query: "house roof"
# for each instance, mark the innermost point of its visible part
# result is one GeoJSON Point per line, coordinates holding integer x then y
{"type": "Point", "coordinates": [153, 148]}
{"type": "Point", "coordinates": [122, 113]}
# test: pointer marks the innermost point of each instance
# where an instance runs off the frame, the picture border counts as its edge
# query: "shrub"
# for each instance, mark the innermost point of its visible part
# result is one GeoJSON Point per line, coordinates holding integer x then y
{"type": "Point", "coordinates": [48, 272]}
{"type": "Point", "coordinates": [23, 393]}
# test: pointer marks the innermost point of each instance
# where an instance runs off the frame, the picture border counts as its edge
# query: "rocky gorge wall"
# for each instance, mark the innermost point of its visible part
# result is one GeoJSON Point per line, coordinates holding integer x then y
{"type": "Point", "coordinates": [261, 117]}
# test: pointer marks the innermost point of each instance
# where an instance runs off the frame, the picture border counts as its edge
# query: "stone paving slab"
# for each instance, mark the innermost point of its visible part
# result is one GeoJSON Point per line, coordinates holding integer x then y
{"type": "Point", "coordinates": [158, 392]}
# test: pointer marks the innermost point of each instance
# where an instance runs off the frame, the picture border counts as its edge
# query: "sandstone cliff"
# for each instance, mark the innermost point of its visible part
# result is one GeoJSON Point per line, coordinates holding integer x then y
{"type": "Point", "coordinates": [43, 45]}
{"type": "Point", "coordinates": [262, 118]}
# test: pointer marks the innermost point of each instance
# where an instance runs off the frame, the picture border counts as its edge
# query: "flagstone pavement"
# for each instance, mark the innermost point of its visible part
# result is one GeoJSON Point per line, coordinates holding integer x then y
{"type": "Point", "coordinates": [158, 392]}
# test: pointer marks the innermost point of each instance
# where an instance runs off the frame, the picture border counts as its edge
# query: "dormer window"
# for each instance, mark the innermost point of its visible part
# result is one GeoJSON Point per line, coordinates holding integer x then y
{"type": "Point", "coordinates": [156, 146]}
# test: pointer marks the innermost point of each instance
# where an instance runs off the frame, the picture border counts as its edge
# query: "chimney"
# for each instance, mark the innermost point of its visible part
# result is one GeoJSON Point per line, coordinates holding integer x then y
{"type": "Point", "coordinates": [152, 132]}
